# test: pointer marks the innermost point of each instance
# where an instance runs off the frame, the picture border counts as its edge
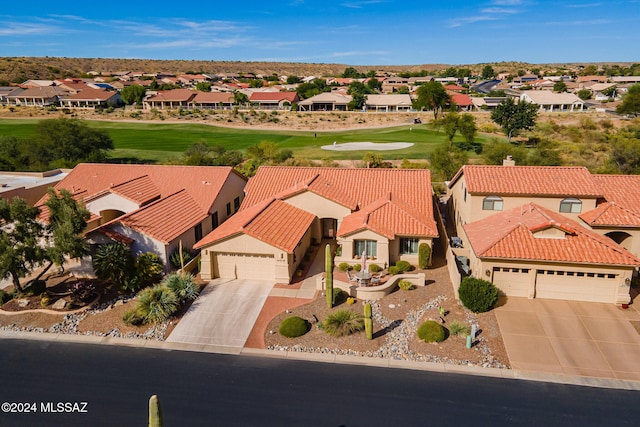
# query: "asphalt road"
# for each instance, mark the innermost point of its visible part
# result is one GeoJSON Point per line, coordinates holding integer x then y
{"type": "Point", "coordinates": [485, 87]}
{"type": "Point", "coordinates": [201, 389]}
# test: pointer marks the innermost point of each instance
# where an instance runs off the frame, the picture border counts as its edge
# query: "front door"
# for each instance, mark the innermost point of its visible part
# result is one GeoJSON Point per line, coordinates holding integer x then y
{"type": "Point", "coordinates": [329, 226]}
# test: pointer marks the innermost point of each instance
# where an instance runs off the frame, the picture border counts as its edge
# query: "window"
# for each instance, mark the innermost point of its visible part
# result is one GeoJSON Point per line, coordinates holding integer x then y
{"type": "Point", "coordinates": [492, 203]}
{"type": "Point", "coordinates": [228, 209]}
{"type": "Point", "coordinates": [408, 246]}
{"type": "Point", "coordinates": [198, 230]}
{"type": "Point", "coordinates": [370, 246]}
{"type": "Point", "coordinates": [236, 204]}
{"type": "Point", "coordinates": [571, 206]}
{"type": "Point", "coordinates": [214, 220]}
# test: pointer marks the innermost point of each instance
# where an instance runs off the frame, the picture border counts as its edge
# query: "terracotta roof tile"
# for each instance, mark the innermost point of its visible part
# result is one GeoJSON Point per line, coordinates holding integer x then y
{"type": "Point", "coordinates": [529, 180]}
{"type": "Point", "coordinates": [611, 214]}
{"type": "Point", "coordinates": [512, 235]}
{"type": "Point", "coordinates": [175, 95]}
{"type": "Point", "coordinates": [141, 190]}
{"type": "Point", "coordinates": [274, 96]}
{"type": "Point", "coordinates": [271, 221]}
{"type": "Point", "coordinates": [164, 219]}
{"type": "Point", "coordinates": [355, 189]}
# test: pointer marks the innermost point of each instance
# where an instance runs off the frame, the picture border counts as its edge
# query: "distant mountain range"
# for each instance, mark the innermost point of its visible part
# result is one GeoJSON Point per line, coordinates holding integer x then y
{"type": "Point", "coordinates": [18, 69]}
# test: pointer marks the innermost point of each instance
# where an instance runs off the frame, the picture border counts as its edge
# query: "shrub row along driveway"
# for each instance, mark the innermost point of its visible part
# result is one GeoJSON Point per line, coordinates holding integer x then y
{"type": "Point", "coordinates": [223, 314]}
{"type": "Point", "coordinates": [570, 337]}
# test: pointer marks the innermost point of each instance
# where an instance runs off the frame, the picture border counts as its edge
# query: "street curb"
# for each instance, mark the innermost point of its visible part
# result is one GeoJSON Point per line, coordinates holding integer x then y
{"type": "Point", "coordinates": [514, 374]}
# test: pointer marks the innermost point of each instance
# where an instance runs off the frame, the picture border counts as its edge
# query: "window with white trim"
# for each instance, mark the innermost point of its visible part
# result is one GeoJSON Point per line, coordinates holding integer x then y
{"type": "Point", "coordinates": [571, 205]}
{"type": "Point", "coordinates": [370, 246]}
{"type": "Point", "coordinates": [492, 203]}
{"type": "Point", "coordinates": [408, 245]}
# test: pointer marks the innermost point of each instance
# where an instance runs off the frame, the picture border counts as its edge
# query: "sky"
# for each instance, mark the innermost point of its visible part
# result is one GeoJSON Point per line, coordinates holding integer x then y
{"type": "Point", "coordinates": [352, 32]}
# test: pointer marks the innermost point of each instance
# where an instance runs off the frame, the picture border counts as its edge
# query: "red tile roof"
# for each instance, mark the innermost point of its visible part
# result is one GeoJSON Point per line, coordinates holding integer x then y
{"type": "Point", "coordinates": [174, 95]}
{"type": "Point", "coordinates": [611, 214]}
{"type": "Point", "coordinates": [170, 189]}
{"type": "Point", "coordinates": [213, 97]}
{"type": "Point", "coordinates": [405, 192]}
{"type": "Point", "coordinates": [622, 207]}
{"type": "Point", "coordinates": [529, 180]}
{"type": "Point", "coordinates": [461, 99]}
{"type": "Point", "coordinates": [271, 221]}
{"type": "Point", "coordinates": [93, 95]}
{"type": "Point", "coordinates": [274, 96]}
{"type": "Point", "coordinates": [512, 235]}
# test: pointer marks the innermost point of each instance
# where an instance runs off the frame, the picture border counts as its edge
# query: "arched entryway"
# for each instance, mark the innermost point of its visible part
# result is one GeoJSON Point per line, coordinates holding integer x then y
{"type": "Point", "coordinates": [622, 238]}
{"type": "Point", "coordinates": [329, 228]}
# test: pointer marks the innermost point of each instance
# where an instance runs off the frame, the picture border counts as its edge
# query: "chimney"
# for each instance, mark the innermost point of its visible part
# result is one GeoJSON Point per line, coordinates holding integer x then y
{"type": "Point", "coordinates": [509, 161]}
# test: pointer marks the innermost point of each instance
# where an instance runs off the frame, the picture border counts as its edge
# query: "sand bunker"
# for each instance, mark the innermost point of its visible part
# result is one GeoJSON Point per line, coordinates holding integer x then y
{"type": "Point", "coordinates": [376, 146]}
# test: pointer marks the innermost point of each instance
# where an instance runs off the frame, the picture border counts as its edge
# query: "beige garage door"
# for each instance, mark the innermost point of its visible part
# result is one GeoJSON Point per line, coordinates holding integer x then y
{"type": "Point", "coordinates": [576, 286]}
{"type": "Point", "coordinates": [513, 282]}
{"type": "Point", "coordinates": [243, 266]}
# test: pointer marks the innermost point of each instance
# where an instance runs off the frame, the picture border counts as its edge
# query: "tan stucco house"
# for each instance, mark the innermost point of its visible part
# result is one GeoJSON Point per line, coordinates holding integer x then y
{"type": "Point", "coordinates": [152, 208]}
{"type": "Point", "coordinates": [386, 213]}
{"type": "Point", "coordinates": [548, 232]}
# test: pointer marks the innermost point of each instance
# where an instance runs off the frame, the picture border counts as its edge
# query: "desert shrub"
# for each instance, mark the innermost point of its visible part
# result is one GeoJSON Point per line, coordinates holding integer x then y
{"type": "Point", "coordinates": [4, 296]}
{"type": "Point", "coordinates": [424, 254]}
{"type": "Point", "coordinates": [458, 328]}
{"type": "Point", "coordinates": [357, 267]}
{"type": "Point", "coordinates": [431, 331]}
{"type": "Point", "coordinates": [339, 296]}
{"type": "Point", "coordinates": [37, 287]}
{"type": "Point", "coordinates": [403, 266]}
{"type": "Point", "coordinates": [157, 304]}
{"type": "Point", "coordinates": [405, 285]}
{"type": "Point", "coordinates": [343, 266]}
{"type": "Point", "coordinates": [82, 292]}
{"type": "Point", "coordinates": [132, 317]}
{"type": "Point", "coordinates": [374, 268]}
{"type": "Point", "coordinates": [113, 262]}
{"type": "Point", "coordinates": [293, 327]}
{"type": "Point", "coordinates": [149, 268]}
{"type": "Point", "coordinates": [174, 258]}
{"type": "Point", "coordinates": [477, 295]}
{"type": "Point", "coordinates": [342, 323]}
{"type": "Point", "coordinates": [393, 270]}
{"type": "Point", "coordinates": [183, 286]}
{"type": "Point", "coordinates": [130, 284]}
{"type": "Point", "coordinates": [45, 300]}
{"type": "Point", "coordinates": [351, 300]}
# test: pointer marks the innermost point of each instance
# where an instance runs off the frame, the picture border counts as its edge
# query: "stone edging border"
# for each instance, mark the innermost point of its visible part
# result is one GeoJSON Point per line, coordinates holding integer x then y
{"type": "Point", "coordinates": [45, 311]}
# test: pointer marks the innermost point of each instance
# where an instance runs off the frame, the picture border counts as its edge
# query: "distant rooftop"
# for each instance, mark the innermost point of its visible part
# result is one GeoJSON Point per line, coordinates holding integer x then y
{"type": "Point", "coordinates": [11, 180]}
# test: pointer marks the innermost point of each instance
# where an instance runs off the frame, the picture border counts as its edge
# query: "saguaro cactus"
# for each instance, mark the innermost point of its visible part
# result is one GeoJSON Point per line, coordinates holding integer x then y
{"type": "Point", "coordinates": [368, 322]}
{"type": "Point", "coordinates": [328, 279]}
{"type": "Point", "coordinates": [155, 415]}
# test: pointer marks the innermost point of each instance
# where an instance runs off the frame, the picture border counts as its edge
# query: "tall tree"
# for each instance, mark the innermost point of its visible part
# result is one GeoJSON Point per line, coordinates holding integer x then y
{"type": "Point", "coordinates": [488, 73]}
{"type": "Point", "coordinates": [431, 96]}
{"type": "Point", "coordinates": [446, 161]}
{"type": "Point", "coordinates": [514, 117]}
{"type": "Point", "coordinates": [240, 98]}
{"type": "Point", "coordinates": [467, 127]}
{"type": "Point", "coordinates": [560, 87]}
{"type": "Point", "coordinates": [449, 124]}
{"type": "Point", "coordinates": [133, 94]}
{"type": "Point", "coordinates": [20, 240]}
{"type": "Point", "coordinates": [67, 220]}
{"type": "Point", "coordinates": [630, 101]}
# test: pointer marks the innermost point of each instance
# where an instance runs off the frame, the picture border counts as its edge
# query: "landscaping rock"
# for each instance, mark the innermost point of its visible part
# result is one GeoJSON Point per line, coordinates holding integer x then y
{"type": "Point", "coordinates": [59, 305]}
{"type": "Point", "coordinates": [23, 302]}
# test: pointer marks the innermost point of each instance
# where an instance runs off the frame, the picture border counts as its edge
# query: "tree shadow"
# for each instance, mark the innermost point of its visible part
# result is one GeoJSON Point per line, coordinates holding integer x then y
{"type": "Point", "coordinates": [382, 332]}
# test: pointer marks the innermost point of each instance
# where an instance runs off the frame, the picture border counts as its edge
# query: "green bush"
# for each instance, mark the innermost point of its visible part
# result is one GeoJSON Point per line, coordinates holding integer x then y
{"type": "Point", "coordinates": [37, 287]}
{"type": "Point", "coordinates": [424, 254]}
{"type": "Point", "coordinates": [405, 285]}
{"type": "Point", "coordinates": [374, 268]}
{"type": "Point", "coordinates": [357, 267]}
{"type": "Point", "coordinates": [174, 258]}
{"type": "Point", "coordinates": [183, 286]}
{"type": "Point", "coordinates": [431, 331]}
{"type": "Point", "coordinates": [157, 304]}
{"type": "Point", "coordinates": [403, 266]}
{"type": "Point", "coordinates": [45, 300]}
{"type": "Point", "coordinates": [342, 323]}
{"type": "Point", "coordinates": [133, 317]}
{"type": "Point", "coordinates": [343, 266]}
{"type": "Point", "coordinates": [339, 296]}
{"type": "Point", "coordinates": [458, 328]}
{"type": "Point", "coordinates": [5, 296]}
{"type": "Point", "coordinates": [293, 327]}
{"type": "Point", "coordinates": [478, 295]}
{"type": "Point", "coordinates": [130, 284]}
{"type": "Point", "coordinates": [149, 268]}
{"type": "Point", "coordinates": [393, 270]}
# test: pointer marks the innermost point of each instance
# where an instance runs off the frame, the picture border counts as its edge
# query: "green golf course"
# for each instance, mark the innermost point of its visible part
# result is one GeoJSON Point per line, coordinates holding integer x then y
{"type": "Point", "coordinates": [160, 142]}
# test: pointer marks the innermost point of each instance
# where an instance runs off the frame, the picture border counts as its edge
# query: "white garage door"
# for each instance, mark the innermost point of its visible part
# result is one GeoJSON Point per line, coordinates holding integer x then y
{"type": "Point", "coordinates": [513, 282]}
{"type": "Point", "coordinates": [243, 266]}
{"type": "Point", "coordinates": [576, 286]}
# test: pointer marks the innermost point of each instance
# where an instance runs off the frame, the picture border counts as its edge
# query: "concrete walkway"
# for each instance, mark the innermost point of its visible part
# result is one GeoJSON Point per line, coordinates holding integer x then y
{"type": "Point", "coordinates": [570, 337]}
{"type": "Point", "coordinates": [307, 290]}
{"type": "Point", "coordinates": [224, 313]}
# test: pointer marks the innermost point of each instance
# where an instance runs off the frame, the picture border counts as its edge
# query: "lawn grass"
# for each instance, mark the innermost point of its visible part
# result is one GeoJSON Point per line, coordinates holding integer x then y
{"type": "Point", "coordinates": [162, 142]}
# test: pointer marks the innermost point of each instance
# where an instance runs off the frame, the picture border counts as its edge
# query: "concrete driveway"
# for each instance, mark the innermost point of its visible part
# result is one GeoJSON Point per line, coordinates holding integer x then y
{"type": "Point", "coordinates": [224, 313]}
{"type": "Point", "coordinates": [570, 337]}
